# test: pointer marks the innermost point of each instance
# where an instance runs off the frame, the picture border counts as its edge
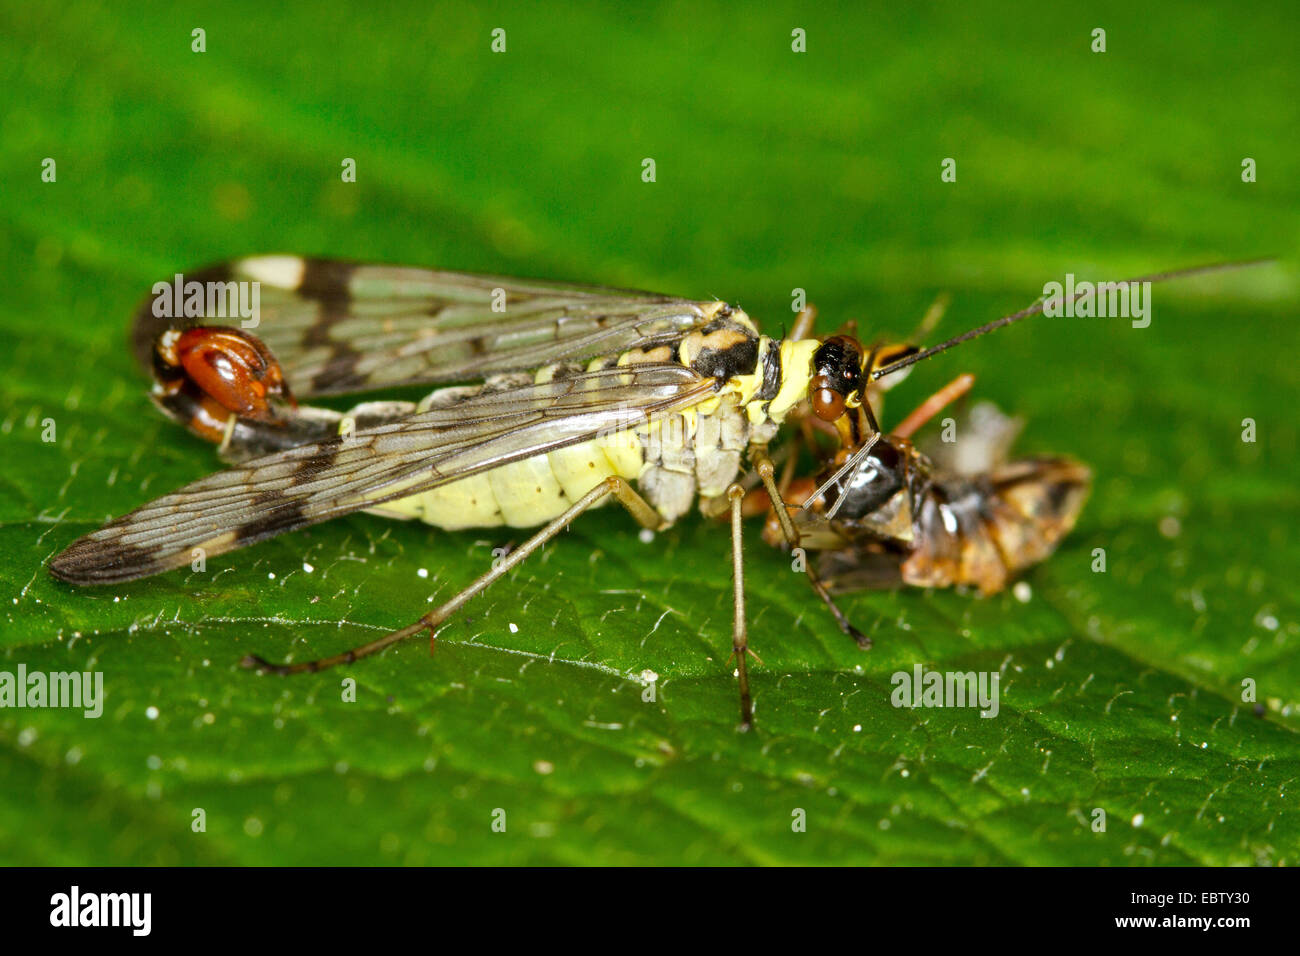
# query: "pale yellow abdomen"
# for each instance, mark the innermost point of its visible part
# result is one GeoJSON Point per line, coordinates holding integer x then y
{"type": "Point", "coordinates": [522, 494]}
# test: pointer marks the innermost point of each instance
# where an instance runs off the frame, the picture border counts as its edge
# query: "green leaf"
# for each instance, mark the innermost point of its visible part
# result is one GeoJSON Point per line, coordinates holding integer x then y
{"type": "Point", "coordinates": [1121, 691]}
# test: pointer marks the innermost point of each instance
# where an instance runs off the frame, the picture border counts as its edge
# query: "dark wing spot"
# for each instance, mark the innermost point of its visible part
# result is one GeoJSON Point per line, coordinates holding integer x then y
{"type": "Point", "coordinates": [309, 468]}
{"type": "Point", "coordinates": [327, 282]}
{"type": "Point", "coordinates": [278, 519]}
{"type": "Point", "coordinates": [90, 560]}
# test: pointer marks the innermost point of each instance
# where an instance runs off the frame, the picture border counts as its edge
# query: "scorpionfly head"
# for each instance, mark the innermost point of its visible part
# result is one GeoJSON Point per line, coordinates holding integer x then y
{"type": "Point", "coordinates": [837, 377]}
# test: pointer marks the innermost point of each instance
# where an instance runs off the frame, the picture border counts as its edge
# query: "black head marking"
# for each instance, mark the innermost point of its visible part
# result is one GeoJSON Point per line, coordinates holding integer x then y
{"type": "Point", "coordinates": [838, 362]}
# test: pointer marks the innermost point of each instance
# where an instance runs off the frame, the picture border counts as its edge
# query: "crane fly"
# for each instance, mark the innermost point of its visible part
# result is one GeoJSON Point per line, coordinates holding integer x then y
{"type": "Point", "coordinates": [886, 513]}
{"type": "Point", "coordinates": [582, 395]}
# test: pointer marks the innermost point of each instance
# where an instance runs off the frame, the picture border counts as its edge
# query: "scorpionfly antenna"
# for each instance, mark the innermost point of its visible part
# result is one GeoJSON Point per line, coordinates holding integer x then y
{"type": "Point", "coordinates": [1039, 305]}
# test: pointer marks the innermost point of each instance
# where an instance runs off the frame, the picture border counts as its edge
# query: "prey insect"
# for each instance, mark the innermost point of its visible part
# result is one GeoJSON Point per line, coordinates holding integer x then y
{"type": "Point", "coordinates": [583, 395]}
{"type": "Point", "coordinates": [886, 513]}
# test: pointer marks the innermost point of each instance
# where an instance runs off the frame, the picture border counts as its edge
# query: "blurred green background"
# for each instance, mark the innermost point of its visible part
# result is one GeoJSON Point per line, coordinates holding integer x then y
{"type": "Point", "coordinates": [775, 170]}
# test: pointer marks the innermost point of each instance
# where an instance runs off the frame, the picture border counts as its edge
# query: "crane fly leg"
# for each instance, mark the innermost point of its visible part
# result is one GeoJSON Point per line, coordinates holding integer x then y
{"type": "Point", "coordinates": [954, 390]}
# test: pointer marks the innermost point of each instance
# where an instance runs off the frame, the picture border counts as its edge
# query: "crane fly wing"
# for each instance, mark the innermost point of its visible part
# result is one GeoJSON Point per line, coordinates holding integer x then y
{"type": "Point", "coordinates": [338, 327]}
{"type": "Point", "coordinates": [314, 482]}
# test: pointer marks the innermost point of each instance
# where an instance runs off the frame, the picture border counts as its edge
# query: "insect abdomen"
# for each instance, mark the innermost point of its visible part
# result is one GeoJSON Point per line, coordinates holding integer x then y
{"type": "Point", "coordinates": [522, 494]}
{"type": "Point", "coordinates": [983, 531]}
{"type": "Point", "coordinates": [672, 460]}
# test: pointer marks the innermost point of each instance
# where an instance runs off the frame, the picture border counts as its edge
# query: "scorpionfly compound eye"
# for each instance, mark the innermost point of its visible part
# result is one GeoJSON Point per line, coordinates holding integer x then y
{"type": "Point", "coordinates": [827, 403]}
{"type": "Point", "coordinates": [231, 366]}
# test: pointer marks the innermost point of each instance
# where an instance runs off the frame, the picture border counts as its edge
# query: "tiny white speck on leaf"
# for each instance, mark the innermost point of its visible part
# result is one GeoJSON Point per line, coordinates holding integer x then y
{"type": "Point", "coordinates": [514, 628]}
{"type": "Point", "coordinates": [270, 575]}
{"type": "Point", "coordinates": [1022, 592]}
{"type": "Point", "coordinates": [151, 712]}
{"type": "Point", "coordinates": [1137, 819]}
{"type": "Point", "coordinates": [423, 573]}
{"type": "Point", "coordinates": [307, 567]}
{"type": "Point", "coordinates": [646, 536]}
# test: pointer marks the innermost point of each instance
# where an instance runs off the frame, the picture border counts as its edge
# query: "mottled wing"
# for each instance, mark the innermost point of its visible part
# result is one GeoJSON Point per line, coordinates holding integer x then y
{"type": "Point", "coordinates": [339, 327]}
{"type": "Point", "coordinates": [315, 482]}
